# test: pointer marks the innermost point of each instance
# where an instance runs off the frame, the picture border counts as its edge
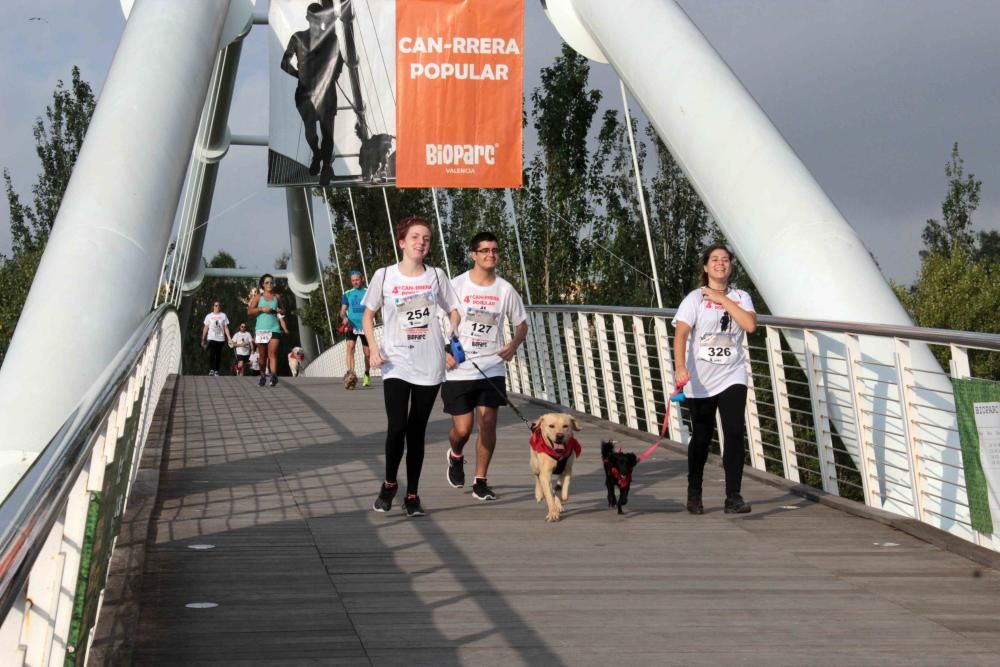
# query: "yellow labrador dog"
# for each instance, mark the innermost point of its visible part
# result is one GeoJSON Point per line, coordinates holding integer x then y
{"type": "Point", "coordinates": [553, 449]}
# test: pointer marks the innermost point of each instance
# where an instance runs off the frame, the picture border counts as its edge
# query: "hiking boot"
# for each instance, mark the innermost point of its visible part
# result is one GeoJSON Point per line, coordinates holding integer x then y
{"type": "Point", "coordinates": [736, 505]}
{"type": "Point", "coordinates": [383, 503]}
{"type": "Point", "coordinates": [367, 381]}
{"type": "Point", "coordinates": [456, 470]}
{"type": "Point", "coordinates": [411, 505]}
{"type": "Point", "coordinates": [274, 380]}
{"type": "Point", "coordinates": [694, 505]}
{"type": "Point", "coordinates": [482, 491]}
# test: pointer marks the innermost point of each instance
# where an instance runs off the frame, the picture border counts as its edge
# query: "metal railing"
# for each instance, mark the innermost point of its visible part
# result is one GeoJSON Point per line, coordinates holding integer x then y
{"type": "Point", "coordinates": [58, 525]}
{"type": "Point", "coordinates": [859, 410]}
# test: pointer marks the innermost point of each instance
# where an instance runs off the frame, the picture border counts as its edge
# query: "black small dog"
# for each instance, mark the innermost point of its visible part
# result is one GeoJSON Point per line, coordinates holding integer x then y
{"type": "Point", "coordinates": [376, 157]}
{"type": "Point", "coordinates": [617, 473]}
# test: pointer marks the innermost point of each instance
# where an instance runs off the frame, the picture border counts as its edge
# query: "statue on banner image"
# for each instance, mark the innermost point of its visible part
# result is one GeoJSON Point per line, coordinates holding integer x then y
{"type": "Point", "coordinates": [318, 64]}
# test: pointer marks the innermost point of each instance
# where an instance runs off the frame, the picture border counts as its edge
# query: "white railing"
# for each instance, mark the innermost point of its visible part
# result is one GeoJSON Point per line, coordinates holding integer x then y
{"type": "Point", "coordinates": [58, 525]}
{"type": "Point", "coordinates": [861, 411]}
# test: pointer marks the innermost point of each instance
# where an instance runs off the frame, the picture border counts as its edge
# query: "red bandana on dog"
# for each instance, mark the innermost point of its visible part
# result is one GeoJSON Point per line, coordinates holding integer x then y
{"type": "Point", "coordinates": [558, 451]}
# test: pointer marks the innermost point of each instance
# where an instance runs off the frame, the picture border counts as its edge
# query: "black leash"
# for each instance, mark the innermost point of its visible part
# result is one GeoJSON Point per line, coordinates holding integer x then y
{"type": "Point", "coordinates": [500, 394]}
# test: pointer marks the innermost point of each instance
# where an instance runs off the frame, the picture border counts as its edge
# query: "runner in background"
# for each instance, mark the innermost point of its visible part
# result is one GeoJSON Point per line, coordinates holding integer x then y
{"type": "Point", "coordinates": [352, 312]}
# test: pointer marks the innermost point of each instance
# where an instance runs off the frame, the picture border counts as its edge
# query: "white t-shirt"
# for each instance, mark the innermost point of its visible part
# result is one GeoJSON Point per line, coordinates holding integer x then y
{"type": "Point", "coordinates": [715, 356]}
{"type": "Point", "coordinates": [412, 339]}
{"type": "Point", "coordinates": [243, 340]}
{"type": "Point", "coordinates": [485, 308]}
{"type": "Point", "coordinates": [216, 323]}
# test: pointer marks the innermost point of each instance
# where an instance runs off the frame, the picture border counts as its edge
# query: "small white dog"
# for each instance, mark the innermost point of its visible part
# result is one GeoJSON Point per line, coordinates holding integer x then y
{"type": "Point", "coordinates": [296, 361]}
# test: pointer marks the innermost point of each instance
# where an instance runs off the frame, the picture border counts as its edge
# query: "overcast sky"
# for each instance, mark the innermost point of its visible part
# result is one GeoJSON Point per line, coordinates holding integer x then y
{"type": "Point", "coordinates": [870, 94]}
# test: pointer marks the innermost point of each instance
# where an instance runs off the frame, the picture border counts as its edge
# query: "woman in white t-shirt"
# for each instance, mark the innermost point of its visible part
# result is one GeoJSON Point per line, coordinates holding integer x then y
{"type": "Point", "coordinates": [215, 334]}
{"type": "Point", "coordinates": [411, 355]}
{"type": "Point", "coordinates": [708, 355]}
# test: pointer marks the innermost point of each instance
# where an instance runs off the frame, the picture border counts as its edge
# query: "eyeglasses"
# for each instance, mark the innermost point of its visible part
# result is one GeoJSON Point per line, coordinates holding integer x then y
{"type": "Point", "coordinates": [268, 282]}
{"type": "Point", "coordinates": [488, 251]}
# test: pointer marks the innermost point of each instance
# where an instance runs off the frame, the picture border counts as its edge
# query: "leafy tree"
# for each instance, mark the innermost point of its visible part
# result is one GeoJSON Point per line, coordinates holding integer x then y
{"type": "Point", "coordinates": [564, 108]}
{"type": "Point", "coordinates": [955, 229]}
{"type": "Point", "coordinates": [58, 139]}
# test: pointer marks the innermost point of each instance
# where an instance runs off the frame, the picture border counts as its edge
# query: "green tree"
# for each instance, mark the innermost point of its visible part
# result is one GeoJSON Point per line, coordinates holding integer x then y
{"type": "Point", "coordinates": [954, 231]}
{"type": "Point", "coordinates": [58, 139]}
{"type": "Point", "coordinates": [564, 108]}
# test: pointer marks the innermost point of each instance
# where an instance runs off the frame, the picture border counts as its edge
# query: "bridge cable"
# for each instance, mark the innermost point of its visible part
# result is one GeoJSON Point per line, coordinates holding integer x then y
{"type": "Point", "coordinates": [306, 192]}
{"type": "Point", "coordinates": [333, 235]}
{"type": "Point", "coordinates": [444, 246]}
{"type": "Point", "coordinates": [641, 195]}
{"type": "Point", "coordinates": [357, 232]}
{"type": "Point", "coordinates": [392, 234]}
{"type": "Point", "coordinates": [520, 252]}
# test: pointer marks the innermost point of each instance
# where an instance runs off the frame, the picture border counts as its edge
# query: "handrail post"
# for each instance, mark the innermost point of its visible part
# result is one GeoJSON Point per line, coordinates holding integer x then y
{"type": "Point", "coordinates": [572, 357]}
{"type": "Point", "coordinates": [678, 429]}
{"type": "Point", "coordinates": [645, 375]}
{"type": "Point", "coordinates": [782, 412]}
{"type": "Point", "coordinates": [852, 350]}
{"type": "Point", "coordinates": [752, 415]}
{"type": "Point", "coordinates": [557, 356]}
{"type": "Point", "coordinates": [624, 368]}
{"type": "Point", "coordinates": [821, 418]}
{"type": "Point", "coordinates": [610, 398]}
{"type": "Point", "coordinates": [588, 364]}
{"type": "Point", "coordinates": [905, 380]}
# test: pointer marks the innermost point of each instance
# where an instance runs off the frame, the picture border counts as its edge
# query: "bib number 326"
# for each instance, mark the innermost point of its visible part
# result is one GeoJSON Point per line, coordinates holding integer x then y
{"type": "Point", "coordinates": [718, 349]}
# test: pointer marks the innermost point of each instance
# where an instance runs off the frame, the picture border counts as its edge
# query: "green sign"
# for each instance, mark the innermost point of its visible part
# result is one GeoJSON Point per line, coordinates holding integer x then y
{"type": "Point", "coordinates": [977, 404]}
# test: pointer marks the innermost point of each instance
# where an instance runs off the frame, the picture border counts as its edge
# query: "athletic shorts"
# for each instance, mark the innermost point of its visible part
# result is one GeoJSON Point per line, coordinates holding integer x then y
{"type": "Point", "coordinates": [462, 396]}
{"type": "Point", "coordinates": [245, 358]}
{"type": "Point", "coordinates": [357, 336]}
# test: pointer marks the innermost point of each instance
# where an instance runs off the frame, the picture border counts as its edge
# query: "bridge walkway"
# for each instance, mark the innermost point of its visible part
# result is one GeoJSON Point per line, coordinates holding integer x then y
{"type": "Point", "coordinates": [279, 481]}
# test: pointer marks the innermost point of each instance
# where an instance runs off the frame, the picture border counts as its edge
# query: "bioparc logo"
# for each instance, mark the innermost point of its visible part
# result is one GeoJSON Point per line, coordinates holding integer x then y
{"type": "Point", "coordinates": [460, 158]}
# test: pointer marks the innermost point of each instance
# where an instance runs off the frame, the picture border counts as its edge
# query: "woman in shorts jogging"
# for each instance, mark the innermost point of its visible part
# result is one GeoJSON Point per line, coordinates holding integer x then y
{"type": "Point", "coordinates": [708, 355]}
{"type": "Point", "coordinates": [411, 355]}
{"type": "Point", "coordinates": [268, 328]}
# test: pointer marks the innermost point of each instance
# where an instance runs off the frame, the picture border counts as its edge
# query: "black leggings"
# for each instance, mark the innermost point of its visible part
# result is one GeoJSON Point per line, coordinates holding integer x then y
{"type": "Point", "coordinates": [407, 409]}
{"type": "Point", "coordinates": [731, 403]}
{"type": "Point", "coordinates": [215, 354]}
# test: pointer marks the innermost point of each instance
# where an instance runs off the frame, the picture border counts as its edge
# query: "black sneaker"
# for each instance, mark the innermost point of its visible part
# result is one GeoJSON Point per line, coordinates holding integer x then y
{"type": "Point", "coordinates": [274, 380]}
{"type": "Point", "coordinates": [385, 495]}
{"type": "Point", "coordinates": [456, 470]}
{"type": "Point", "coordinates": [411, 505]}
{"type": "Point", "coordinates": [482, 491]}
{"type": "Point", "coordinates": [694, 504]}
{"type": "Point", "coordinates": [736, 505]}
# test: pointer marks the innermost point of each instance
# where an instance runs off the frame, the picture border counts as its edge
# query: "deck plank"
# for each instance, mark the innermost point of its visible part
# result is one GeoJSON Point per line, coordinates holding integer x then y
{"type": "Point", "coordinates": [280, 480]}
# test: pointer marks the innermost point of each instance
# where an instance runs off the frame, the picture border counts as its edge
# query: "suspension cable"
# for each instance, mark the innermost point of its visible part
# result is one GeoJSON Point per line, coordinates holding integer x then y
{"type": "Point", "coordinates": [444, 246]}
{"type": "Point", "coordinates": [520, 252]}
{"type": "Point", "coordinates": [333, 235]}
{"type": "Point", "coordinates": [357, 233]}
{"type": "Point", "coordinates": [388, 217]}
{"type": "Point", "coordinates": [319, 265]}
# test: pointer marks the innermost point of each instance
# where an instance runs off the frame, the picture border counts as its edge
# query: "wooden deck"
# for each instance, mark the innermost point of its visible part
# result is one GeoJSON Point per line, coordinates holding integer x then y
{"type": "Point", "coordinates": [279, 481]}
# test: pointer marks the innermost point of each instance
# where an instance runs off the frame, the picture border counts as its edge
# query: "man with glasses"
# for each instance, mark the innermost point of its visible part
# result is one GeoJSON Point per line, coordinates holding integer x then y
{"type": "Point", "coordinates": [352, 310]}
{"type": "Point", "coordinates": [242, 341]}
{"type": "Point", "coordinates": [472, 393]}
{"type": "Point", "coordinates": [215, 333]}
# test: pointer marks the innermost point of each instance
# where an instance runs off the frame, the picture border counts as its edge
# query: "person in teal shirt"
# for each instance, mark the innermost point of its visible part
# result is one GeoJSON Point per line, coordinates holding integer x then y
{"type": "Point", "coordinates": [269, 327]}
{"type": "Point", "coordinates": [351, 312]}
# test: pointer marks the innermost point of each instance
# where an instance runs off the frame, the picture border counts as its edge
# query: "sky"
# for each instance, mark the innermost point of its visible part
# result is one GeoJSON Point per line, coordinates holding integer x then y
{"type": "Point", "coordinates": [870, 95]}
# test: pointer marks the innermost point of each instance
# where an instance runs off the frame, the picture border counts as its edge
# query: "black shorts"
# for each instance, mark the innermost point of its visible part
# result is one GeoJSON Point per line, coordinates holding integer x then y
{"type": "Point", "coordinates": [245, 358]}
{"type": "Point", "coordinates": [463, 396]}
{"type": "Point", "coordinates": [351, 336]}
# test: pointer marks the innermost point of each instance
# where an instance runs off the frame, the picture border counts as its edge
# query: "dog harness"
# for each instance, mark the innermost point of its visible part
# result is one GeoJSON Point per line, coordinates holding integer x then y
{"type": "Point", "coordinates": [624, 479]}
{"type": "Point", "coordinates": [557, 451]}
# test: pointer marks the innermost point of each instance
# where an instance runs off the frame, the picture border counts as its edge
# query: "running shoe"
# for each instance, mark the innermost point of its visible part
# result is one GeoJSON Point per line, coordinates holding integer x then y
{"type": "Point", "coordinates": [383, 503]}
{"type": "Point", "coordinates": [482, 491]}
{"type": "Point", "coordinates": [411, 505]}
{"type": "Point", "coordinates": [274, 380]}
{"type": "Point", "coordinates": [367, 381]}
{"type": "Point", "coordinates": [736, 505]}
{"type": "Point", "coordinates": [262, 381]}
{"type": "Point", "coordinates": [456, 470]}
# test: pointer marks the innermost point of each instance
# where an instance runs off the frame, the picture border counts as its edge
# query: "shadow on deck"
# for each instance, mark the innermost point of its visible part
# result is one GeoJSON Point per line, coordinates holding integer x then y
{"type": "Point", "coordinates": [279, 482]}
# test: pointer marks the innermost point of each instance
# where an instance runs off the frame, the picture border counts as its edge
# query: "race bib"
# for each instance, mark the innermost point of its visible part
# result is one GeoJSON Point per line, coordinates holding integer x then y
{"type": "Point", "coordinates": [263, 337]}
{"type": "Point", "coordinates": [479, 328]}
{"type": "Point", "coordinates": [414, 311]}
{"type": "Point", "coordinates": [719, 349]}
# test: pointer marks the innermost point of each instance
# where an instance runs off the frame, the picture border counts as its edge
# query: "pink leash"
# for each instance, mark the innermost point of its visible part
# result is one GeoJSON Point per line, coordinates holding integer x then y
{"type": "Point", "coordinates": [666, 418]}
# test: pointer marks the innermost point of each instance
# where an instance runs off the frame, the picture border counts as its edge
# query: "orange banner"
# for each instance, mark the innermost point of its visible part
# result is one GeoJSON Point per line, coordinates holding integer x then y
{"type": "Point", "coordinates": [459, 83]}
